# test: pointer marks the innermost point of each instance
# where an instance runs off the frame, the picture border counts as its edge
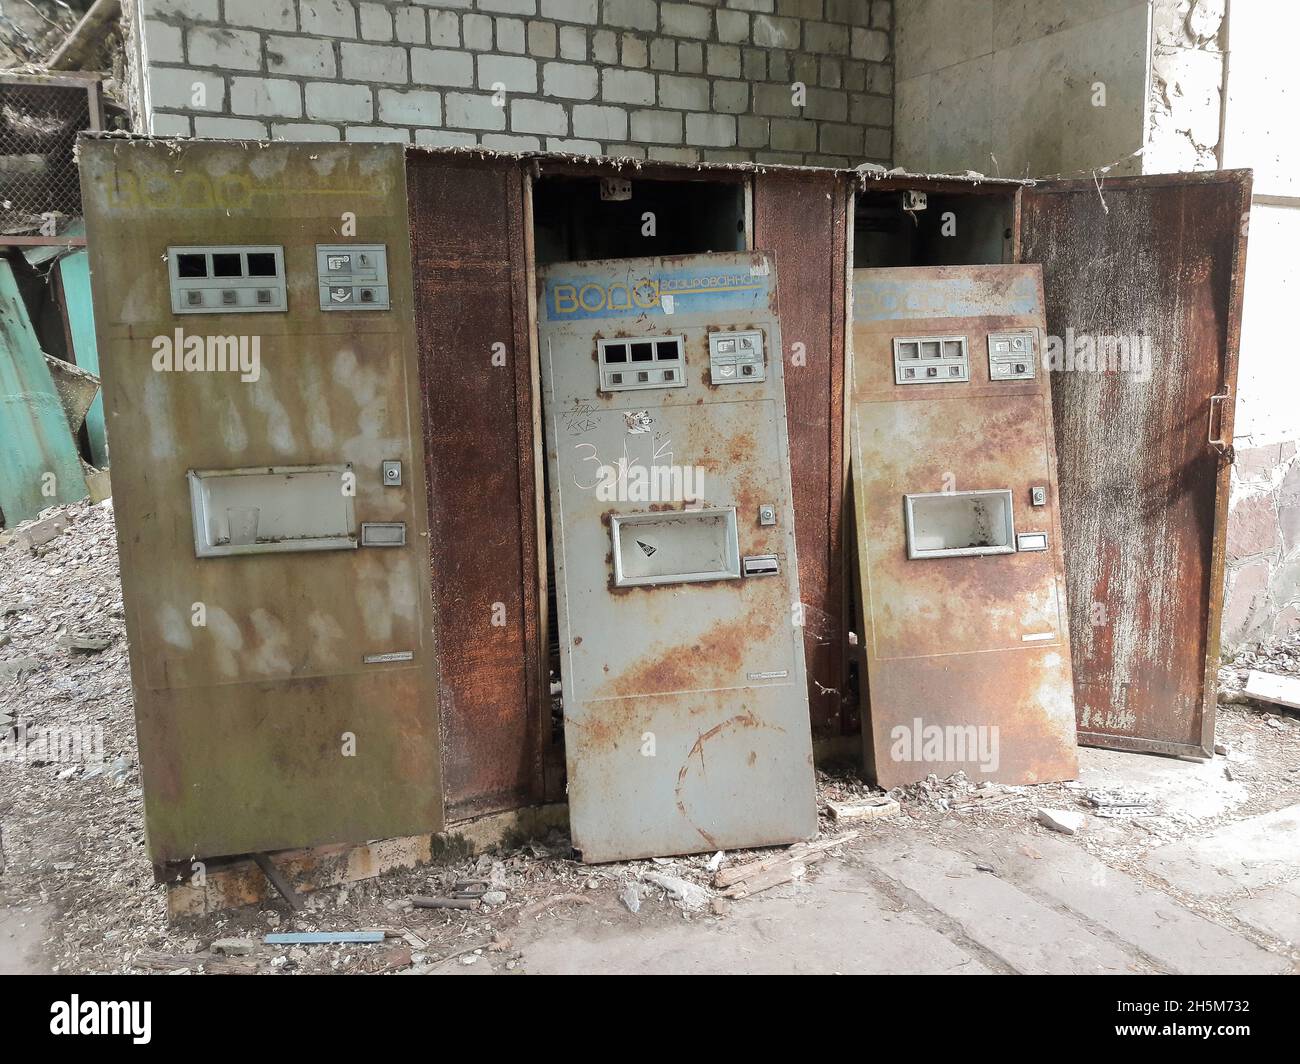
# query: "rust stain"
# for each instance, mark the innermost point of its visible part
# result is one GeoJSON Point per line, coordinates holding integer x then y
{"type": "Point", "coordinates": [715, 659]}
{"type": "Point", "coordinates": [739, 721]}
{"type": "Point", "coordinates": [945, 637]}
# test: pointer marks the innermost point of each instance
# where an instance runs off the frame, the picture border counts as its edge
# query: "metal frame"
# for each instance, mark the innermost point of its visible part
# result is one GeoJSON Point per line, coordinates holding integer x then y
{"type": "Point", "coordinates": [199, 513]}
{"type": "Point", "coordinates": [916, 553]}
{"type": "Point", "coordinates": [617, 522]}
{"type": "Point", "coordinates": [93, 86]}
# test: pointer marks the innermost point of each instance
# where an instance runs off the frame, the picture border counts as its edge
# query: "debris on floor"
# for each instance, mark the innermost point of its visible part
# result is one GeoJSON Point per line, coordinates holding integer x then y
{"type": "Point", "coordinates": [1266, 687]}
{"type": "Point", "coordinates": [1066, 821]}
{"type": "Point", "coordinates": [740, 881]}
{"type": "Point", "coordinates": [874, 808]}
{"type": "Point", "coordinates": [72, 831]}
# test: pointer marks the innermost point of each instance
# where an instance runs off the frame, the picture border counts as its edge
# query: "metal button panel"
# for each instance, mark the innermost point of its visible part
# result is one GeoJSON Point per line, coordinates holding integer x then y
{"type": "Point", "coordinates": [1013, 355]}
{"type": "Point", "coordinates": [931, 360]}
{"type": "Point", "coordinates": [629, 363]}
{"type": "Point", "coordinates": [352, 276]}
{"type": "Point", "coordinates": [736, 357]}
{"type": "Point", "coordinates": [226, 279]}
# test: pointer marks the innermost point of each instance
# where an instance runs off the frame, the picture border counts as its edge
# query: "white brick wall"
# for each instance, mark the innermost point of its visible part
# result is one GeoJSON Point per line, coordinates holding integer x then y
{"type": "Point", "coordinates": [681, 80]}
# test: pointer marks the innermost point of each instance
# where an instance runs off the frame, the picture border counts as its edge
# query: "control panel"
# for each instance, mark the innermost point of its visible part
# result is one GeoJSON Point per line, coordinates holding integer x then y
{"type": "Point", "coordinates": [931, 359]}
{"type": "Point", "coordinates": [630, 364]}
{"type": "Point", "coordinates": [226, 279]}
{"type": "Point", "coordinates": [1012, 355]}
{"type": "Point", "coordinates": [736, 357]}
{"type": "Point", "coordinates": [352, 276]}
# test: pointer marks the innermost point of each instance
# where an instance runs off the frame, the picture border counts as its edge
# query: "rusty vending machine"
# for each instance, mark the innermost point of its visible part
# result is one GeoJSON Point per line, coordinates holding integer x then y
{"type": "Point", "coordinates": [961, 577]}
{"type": "Point", "coordinates": [254, 313]}
{"type": "Point", "coordinates": [685, 705]}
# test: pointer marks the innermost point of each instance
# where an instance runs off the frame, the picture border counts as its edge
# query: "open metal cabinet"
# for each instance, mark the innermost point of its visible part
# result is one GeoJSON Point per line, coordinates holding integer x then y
{"type": "Point", "coordinates": [1143, 284]}
{"type": "Point", "coordinates": [1143, 291]}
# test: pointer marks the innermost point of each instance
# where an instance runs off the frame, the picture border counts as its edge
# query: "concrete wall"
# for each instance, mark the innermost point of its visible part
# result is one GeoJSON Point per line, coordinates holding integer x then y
{"type": "Point", "coordinates": [684, 81]}
{"type": "Point", "coordinates": [1185, 101]}
{"type": "Point", "coordinates": [1020, 88]}
{"type": "Point", "coordinates": [1263, 92]}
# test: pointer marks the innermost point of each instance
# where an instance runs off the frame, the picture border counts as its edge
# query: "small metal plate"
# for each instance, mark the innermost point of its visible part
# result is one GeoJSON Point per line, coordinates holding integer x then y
{"type": "Point", "coordinates": [629, 364]}
{"type": "Point", "coordinates": [1031, 541]}
{"type": "Point", "coordinates": [391, 471]}
{"type": "Point", "coordinates": [736, 357]}
{"type": "Point", "coordinates": [392, 655]}
{"type": "Point", "coordinates": [761, 565]}
{"type": "Point", "coordinates": [383, 533]}
{"type": "Point", "coordinates": [352, 276]}
{"type": "Point", "coordinates": [1012, 355]}
{"type": "Point", "coordinates": [931, 360]}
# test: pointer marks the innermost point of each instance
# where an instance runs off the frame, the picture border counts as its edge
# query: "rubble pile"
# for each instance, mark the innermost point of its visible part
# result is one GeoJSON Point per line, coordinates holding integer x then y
{"type": "Point", "coordinates": [1281, 656]}
{"type": "Point", "coordinates": [71, 823]}
{"type": "Point", "coordinates": [72, 851]}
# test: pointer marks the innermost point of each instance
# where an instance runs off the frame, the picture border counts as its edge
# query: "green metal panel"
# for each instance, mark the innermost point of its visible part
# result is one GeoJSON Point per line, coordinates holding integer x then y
{"type": "Point", "coordinates": [74, 272]}
{"type": "Point", "coordinates": [284, 698]}
{"type": "Point", "coordinates": [39, 466]}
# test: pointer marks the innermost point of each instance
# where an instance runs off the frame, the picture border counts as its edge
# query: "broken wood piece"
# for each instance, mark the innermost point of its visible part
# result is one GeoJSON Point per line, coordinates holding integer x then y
{"type": "Point", "coordinates": [874, 808]}
{"type": "Point", "coordinates": [38, 533]}
{"type": "Point", "coordinates": [800, 851]}
{"type": "Point", "coordinates": [392, 959]}
{"type": "Point", "coordinates": [172, 962]}
{"type": "Point", "coordinates": [546, 903]}
{"type": "Point", "coordinates": [422, 902]}
{"type": "Point", "coordinates": [277, 880]}
{"type": "Point", "coordinates": [791, 870]}
{"type": "Point", "coordinates": [87, 642]}
{"type": "Point", "coordinates": [1269, 687]}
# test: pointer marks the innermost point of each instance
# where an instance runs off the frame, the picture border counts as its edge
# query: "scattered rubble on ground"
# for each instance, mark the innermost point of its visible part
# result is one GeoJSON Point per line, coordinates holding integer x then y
{"type": "Point", "coordinates": [72, 838]}
{"type": "Point", "coordinates": [1066, 821]}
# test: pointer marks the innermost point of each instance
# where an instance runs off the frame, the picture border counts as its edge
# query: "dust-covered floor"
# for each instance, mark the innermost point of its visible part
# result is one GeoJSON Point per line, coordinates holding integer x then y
{"type": "Point", "coordinates": [78, 894]}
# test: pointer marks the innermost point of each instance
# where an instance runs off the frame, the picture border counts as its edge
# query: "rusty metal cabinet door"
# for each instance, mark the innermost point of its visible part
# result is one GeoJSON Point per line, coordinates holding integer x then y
{"type": "Point", "coordinates": [801, 220]}
{"type": "Point", "coordinates": [685, 707]}
{"type": "Point", "coordinates": [1143, 280]}
{"type": "Point", "coordinates": [960, 571]}
{"type": "Point", "coordinates": [470, 250]}
{"type": "Point", "coordinates": [284, 696]}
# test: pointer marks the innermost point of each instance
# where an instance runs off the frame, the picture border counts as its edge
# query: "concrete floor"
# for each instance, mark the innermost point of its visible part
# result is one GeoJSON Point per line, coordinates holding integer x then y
{"type": "Point", "coordinates": [22, 930]}
{"type": "Point", "coordinates": [967, 895]}
{"type": "Point", "coordinates": [973, 893]}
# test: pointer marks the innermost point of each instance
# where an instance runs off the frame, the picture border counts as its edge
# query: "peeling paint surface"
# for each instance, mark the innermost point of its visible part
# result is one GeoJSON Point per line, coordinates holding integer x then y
{"type": "Point", "coordinates": [1144, 492]}
{"type": "Point", "coordinates": [974, 645]}
{"type": "Point", "coordinates": [248, 670]}
{"type": "Point", "coordinates": [686, 711]}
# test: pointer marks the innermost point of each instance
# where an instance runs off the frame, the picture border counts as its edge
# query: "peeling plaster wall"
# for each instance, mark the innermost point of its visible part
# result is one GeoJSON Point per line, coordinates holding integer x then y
{"type": "Point", "coordinates": [1263, 92]}
{"type": "Point", "coordinates": [1010, 87]}
{"type": "Point", "coordinates": [1185, 105]}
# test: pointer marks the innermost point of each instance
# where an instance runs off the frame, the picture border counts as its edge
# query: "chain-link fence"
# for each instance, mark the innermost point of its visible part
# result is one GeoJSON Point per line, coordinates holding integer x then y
{"type": "Point", "coordinates": [40, 117]}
